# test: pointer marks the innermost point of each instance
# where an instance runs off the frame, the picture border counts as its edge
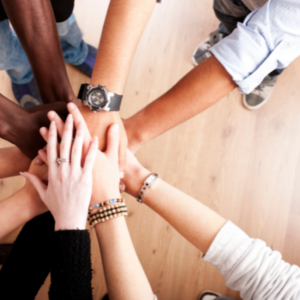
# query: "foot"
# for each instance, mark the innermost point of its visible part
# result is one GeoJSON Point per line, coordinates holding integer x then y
{"type": "Point", "coordinates": [26, 94]}
{"type": "Point", "coordinates": [202, 50]}
{"type": "Point", "coordinates": [260, 95]}
{"type": "Point", "coordinates": [88, 65]}
{"type": "Point", "coordinates": [209, 295]}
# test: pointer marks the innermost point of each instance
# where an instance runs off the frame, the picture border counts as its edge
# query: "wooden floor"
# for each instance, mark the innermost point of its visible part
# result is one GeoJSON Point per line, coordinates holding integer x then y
{"type": "Point", "coordinates": [245, 165]}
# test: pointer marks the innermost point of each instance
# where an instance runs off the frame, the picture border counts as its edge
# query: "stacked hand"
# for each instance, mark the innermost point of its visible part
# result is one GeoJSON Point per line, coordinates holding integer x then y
{"type": "Point", "coordinates": [70, 184]}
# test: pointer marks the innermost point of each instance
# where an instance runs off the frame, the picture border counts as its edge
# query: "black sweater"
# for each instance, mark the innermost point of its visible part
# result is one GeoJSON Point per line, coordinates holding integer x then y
{"type": "Point", "coordinates": [36, 251]}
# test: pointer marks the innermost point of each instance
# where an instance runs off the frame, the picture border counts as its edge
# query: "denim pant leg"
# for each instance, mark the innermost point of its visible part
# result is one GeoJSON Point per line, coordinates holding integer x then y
{"type": "Point", "coordinates": [74, 49]}
{"type": "Point", "coordinates": [13, 58]}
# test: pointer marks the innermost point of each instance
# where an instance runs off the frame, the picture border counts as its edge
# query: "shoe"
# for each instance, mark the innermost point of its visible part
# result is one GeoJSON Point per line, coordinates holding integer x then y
{"type": "Point", "coordinates": [202, 50]}
{"type": "Point", "coordinates": [27, 94]}
{"type": "Point", "coordinates": [88, 65]}
{"type": "Point", "coordinates": [260, 95]}
{"type": "Point", "coordinates": [209, 295]}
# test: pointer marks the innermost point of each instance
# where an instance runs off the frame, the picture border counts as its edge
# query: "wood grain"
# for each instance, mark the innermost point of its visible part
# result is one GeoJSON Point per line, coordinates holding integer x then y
{"type": "Point", "coordinates": [245, 165]}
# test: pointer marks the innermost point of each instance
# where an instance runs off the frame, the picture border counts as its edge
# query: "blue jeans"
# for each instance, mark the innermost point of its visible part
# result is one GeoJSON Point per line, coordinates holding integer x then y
{"type": "Point", "coordinates": [13, 58]}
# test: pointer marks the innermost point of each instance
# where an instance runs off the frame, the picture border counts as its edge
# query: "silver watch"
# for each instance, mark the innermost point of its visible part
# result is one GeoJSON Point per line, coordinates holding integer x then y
{"type": "Point", "coordinates": [97, 98]}
{"type": "Point", "coordinates": [147, 183]}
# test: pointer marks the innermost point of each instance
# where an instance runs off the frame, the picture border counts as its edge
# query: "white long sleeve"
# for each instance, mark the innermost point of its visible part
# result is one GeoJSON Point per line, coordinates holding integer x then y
{"type": "Point", "coordinates": [251, 267]}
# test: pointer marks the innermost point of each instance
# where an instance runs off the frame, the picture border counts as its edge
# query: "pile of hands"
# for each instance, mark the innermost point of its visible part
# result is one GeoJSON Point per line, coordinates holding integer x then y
{"type": "Point", "coordinates": [90, 177]}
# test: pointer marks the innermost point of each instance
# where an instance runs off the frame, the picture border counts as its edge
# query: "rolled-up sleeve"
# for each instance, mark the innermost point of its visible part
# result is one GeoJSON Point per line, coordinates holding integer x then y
{"type": "Point", "coordinates": [268, 39]}
{"type": "Point", "coordinates": [252, 268]}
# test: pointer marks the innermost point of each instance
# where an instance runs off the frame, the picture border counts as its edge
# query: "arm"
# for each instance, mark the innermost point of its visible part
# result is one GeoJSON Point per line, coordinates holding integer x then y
{"type": "Point", "coordinates": [12, 162]}
{"type": "Point", "coordinates": [248, 265]}
{"type": "Point", "coordinates": [269, 39]}
{"type": "Point", "coordinates": [34, 24]}
{"type": "Point", "coordinates": [199, 89]}
{"type": "Point", "coordinates": [124, 24]}
{"type": "Point", "coordinates": [23, 205]}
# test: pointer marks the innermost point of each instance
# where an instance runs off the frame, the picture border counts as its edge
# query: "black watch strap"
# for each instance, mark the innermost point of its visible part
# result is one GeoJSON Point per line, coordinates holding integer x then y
{"type": "Point", "coordinates": [115, 100]}
{"type": "Point", "coordinates": [82, 91]}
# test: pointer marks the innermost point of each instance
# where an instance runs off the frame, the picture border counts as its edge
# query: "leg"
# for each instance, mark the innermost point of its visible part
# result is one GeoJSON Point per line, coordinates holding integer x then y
{"type": "Point", "coordinates": [14, 60]}
{"type": "Point", "coordinates": [75, 50]}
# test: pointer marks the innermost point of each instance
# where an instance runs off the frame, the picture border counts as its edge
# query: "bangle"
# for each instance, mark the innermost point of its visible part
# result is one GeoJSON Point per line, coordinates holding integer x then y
{"type": "Point", "coordinates": [108, 209]}
{"type": "Point", "coordinates": [108, 217]}
{"type": "Point", "coordinates": [147, 183]}
{"type": "Point", "coordinates": [111, 201]}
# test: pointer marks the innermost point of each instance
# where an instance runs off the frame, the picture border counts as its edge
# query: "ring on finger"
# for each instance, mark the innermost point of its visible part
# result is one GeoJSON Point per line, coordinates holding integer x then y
{"type": "Point", "coordinates": [61, 160]}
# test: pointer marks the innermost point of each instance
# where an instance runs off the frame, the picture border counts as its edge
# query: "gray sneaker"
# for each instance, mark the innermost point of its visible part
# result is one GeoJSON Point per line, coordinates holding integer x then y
{"type": "Point", "coordinates": [209, 295]}
{"type": "Point", "coordinates": [260, 95]}
{"type": "Point", "coordinates": [202, 50]}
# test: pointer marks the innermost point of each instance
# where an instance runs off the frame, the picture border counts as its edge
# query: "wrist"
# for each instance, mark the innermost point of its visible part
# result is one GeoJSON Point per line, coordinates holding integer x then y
{"type": "Point", "coordinates": [134, 180]}
{"type": "Point", "coordinates": [136, 138]}
{"type": "Point", "coordinates": [71, 224]}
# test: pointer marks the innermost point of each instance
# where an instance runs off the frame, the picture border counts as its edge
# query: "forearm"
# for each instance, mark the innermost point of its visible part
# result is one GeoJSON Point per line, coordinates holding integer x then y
{"type": "Point", "coordinates": [199, 89]}
{"type": "Point", "coordinates": [192, 219]}
{"type": "Point", "coordinates": [125, 277]}
{"type": "Point", "coordinates": [12, 162]}
{"type": "Point", "coordinates": [124, 24]}
{"type": "Point", "coordinates": [18, 209]}
{"type": "Point", "coordinates": [35, 26]}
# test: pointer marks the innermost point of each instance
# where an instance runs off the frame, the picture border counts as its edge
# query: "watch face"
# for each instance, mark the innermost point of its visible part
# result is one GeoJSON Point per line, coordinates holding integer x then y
{"type": "Point", "coordinates": [97, 98]}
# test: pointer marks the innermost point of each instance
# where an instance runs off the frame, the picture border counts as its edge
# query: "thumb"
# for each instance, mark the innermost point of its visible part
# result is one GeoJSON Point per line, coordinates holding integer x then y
{"type": "Point", "coordinates": [113, 137]}
{"type": "Point", "coordinates": [37, 183]}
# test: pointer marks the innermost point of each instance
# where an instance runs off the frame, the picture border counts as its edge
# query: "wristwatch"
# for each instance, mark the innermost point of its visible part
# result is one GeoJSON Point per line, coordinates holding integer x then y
{"type": "Point", "coordinates": [97, 98]}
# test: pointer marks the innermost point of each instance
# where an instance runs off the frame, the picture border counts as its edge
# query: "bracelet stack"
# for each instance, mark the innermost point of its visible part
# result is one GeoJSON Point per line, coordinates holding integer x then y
{"type": "Point", "coordinates": [117, 209]}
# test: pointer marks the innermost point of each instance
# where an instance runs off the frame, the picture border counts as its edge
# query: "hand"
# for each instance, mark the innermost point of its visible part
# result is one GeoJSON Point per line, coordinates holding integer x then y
{"type": "Point", "coordinates": [98, 124]}
{"type": "Point", "coordinates": [40, 169]}
{"type": "Point", "coordinates": [26, 129]}
{"type": "Point", "coordinates": [70, 185]}
{"type": "Point", "coordinates": [98, 193]}
{"type": "Point", "coordinates": [135, 175]}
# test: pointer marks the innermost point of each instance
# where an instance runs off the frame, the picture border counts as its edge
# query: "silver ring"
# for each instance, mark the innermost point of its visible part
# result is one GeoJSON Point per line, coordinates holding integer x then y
{"type": "Point", "coordinates": [61, 160]}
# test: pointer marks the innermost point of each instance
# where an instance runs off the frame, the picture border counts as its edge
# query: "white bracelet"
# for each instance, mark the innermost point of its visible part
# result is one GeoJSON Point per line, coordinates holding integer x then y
{"type": "Point", "coordinates": [147, 183]}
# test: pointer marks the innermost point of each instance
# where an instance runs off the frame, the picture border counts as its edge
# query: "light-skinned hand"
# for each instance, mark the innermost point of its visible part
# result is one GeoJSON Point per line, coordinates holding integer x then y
{"type": "Point", "coordinates": [69, 189]}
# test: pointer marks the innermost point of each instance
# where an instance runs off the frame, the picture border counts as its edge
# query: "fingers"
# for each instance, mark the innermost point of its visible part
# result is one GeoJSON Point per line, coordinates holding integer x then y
{"type": "Point", "coordinates": [37, 183]}
{"type": "Point", "coordinates": [78, 118]}
{"type": "Point", "coordinates": [44, 133]}
{"type": "Point", "coordinates": [91, 156]}
{"type": "Point", "coordinates": [52, 147]}
{"type": "Point", "coordinates": [77, 147]}
{"type": "Point", "coordinates": [43, 156]}
{"type": "Point", "coordinates": [66, 141]}
{"type": "Point", "coordinates": [53, 116]}
{"type": "Point", "coordinates": [113, 141]}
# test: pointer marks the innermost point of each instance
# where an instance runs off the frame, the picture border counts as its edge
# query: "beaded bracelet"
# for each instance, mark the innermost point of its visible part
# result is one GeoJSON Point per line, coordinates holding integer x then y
{"type": "Point", "coordinates": [107, 214]}
{"type": "Point", "coordinates": [108, 217]}
{"type": "Point", "coordinates": [111, 201]}
{"type": "Point", "coordinates": [107, 209]}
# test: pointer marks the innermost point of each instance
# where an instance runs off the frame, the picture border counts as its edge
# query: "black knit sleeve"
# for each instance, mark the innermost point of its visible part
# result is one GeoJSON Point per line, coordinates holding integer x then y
{"type": "Point", "coordinates": [27, 265]}
{"type": "Point", "coordinates": [70, 265]}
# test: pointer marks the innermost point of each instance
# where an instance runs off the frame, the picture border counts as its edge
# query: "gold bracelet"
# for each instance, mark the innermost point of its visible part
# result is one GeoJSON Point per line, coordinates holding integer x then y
{"type": "Point", "coordinates": [108, 217]}
{"type": "Point", "coordinates": [107, 209]}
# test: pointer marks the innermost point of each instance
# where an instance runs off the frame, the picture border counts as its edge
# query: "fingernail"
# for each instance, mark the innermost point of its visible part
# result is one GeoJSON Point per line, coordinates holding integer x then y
{"type": "Point", "coordinates": [121, 174]}
{"type": "Point", "coordinates": [52, 124]}
{"type": "Point", "coordinates": [71, 106]}
{"type": "Point", "coordinates": [38, 161]}
{"type": "Point", "coordinates": [22, 174]}
{"type": "Point", "coordinates": [115, 128]}
{"type": "Point", "coordinates": [70, 117]}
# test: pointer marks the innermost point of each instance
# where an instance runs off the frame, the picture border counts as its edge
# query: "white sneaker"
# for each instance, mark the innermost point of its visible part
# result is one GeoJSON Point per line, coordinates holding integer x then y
{"type": "Point", "coordinates": [261, 94]}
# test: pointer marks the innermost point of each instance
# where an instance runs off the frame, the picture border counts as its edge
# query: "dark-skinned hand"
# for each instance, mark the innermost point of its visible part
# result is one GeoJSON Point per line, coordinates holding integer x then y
{"type": "Point", "coordinates": [21, 126]}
